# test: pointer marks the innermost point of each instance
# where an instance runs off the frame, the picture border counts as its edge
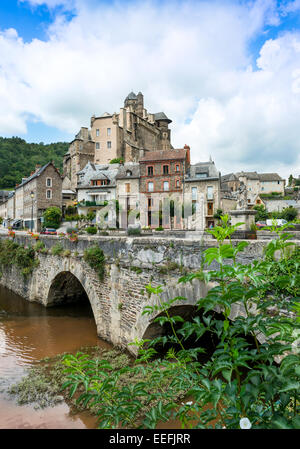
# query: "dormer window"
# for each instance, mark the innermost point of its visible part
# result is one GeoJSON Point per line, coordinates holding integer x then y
{"type": "Point", "coordinates": [128, 173]}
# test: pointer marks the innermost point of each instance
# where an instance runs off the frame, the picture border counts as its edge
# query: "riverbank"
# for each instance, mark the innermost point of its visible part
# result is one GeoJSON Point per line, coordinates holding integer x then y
{"type": "Point", "coordinates": [43, 385]}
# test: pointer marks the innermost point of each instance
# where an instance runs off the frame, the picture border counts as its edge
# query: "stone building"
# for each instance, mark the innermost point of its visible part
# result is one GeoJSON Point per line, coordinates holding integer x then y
{"type": "Point", "coordinates": [202, 189]}
{"type": "Point", "coordinates": [255, 183]}
{"type": "Point", "coordinates": [42, 189]}
{"type": "Point", "coordinates": [128, 185]}
{"type": "Point", "coordinates": [161, 180]}
{"type": "Point", "coordinates": [127, 135]}
{"type": "Point", "coordinates": [96, 186]}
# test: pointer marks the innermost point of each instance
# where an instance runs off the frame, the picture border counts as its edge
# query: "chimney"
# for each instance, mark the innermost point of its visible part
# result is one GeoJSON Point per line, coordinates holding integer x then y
{"type": "Point", "coordinates": [186, 147]}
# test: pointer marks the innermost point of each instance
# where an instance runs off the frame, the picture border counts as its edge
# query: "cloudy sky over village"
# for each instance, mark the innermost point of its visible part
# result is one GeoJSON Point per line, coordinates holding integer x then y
{"type": "Point", "coordinates": [226, 72]}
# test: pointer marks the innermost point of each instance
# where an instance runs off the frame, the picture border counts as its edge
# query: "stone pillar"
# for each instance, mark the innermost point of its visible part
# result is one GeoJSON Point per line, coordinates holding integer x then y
{"type": "Point", "coordinates": [247, 217]}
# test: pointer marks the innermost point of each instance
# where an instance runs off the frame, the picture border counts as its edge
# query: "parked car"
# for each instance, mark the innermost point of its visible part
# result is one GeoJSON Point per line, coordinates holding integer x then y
{"type": "Point", "coordinates": [277, 221]}
{"type": "Point", "coordinates": [261, 224]}
{"type": "Point", "coordinates": [48, 231]}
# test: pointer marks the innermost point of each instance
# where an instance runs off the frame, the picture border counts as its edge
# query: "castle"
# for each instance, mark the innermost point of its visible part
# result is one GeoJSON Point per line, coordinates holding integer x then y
{"type": "Point", "coordinates": [127, 136]}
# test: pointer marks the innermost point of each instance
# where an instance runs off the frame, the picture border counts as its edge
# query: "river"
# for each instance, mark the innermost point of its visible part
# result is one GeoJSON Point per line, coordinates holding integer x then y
{"type": "Point", "coordinates": [28, 333]}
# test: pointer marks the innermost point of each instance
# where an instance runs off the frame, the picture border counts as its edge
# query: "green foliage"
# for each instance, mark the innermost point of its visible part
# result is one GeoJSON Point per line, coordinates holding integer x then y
{"type": "Point", "coordinates": [262, 214]}
{"type": "Point", "coordinates": [1, 220]}
{"type": "Point", "coordinates": [57, 249]}
{"type": "Point", "coordinates": [13, 254]}
{"type": "Point", "coordinates": [218, 214]}
{"type": "Point", "coordinates": [18, 159]}
{"type": "Point", "coordinates": [160, 228]}
{"type": "Point", "coordinates": [117, 160]}
{"type": "Point", "coordinates": [253, 371]}
{"type": "Point", "coordinates": [134, 231]}
{"type": "Point", "coordinates": [94, 256]}
{"type": "Point", "coordinates": [91, 230]}
{"type": "Point", "coordinates": [52, 216]}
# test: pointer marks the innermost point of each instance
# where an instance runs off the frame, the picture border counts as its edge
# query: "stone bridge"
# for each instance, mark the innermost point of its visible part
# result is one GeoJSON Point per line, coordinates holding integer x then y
{"type": "Point", "coordinates": [118, 300]}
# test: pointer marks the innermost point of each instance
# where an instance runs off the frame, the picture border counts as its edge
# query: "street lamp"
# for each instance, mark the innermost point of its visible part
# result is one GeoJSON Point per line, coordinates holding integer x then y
{"type": "Point", "coordinates": [32, 196]}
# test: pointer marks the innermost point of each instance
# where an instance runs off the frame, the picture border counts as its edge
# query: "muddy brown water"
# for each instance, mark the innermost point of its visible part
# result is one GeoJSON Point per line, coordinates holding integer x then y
{"type": "Point", "coordinates": [28, 333]}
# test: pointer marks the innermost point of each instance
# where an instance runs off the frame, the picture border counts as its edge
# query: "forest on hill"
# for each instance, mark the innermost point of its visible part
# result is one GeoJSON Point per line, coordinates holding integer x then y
{"type": "Point", "coordinates": [19, 158]}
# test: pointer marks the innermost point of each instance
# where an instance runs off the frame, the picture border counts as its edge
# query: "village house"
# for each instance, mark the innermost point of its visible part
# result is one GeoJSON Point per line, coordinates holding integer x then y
{"type": "Point", "coordinates": [202, 189]}
{"type": "Point", "coordinates": [161, 180]}
{"type": "Point", "coordinates": [255, 183]}
{"type": "Point", "coordinates": [128, 186]}
{"type": "Point", "coordinates": [42, 189]}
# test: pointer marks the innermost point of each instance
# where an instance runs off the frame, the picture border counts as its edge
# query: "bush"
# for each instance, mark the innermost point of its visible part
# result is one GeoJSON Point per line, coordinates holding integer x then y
{"type": "Point", "coordinates": [134, 231]}
{"type": "Point", "coordinates": [57, 249]}
{"type": "Point", "coordinates": [94, 256]}
{"type": "Point", "coordinates": [160, 228]}
{"type": "Point", "coordinates": [91, 230]}
{"type": "Point", "coordinates": [71, 230]}
{"type": "Point", "coordinates": [50, 224]}
{"type": "Point", "coordinates": [52, 215]}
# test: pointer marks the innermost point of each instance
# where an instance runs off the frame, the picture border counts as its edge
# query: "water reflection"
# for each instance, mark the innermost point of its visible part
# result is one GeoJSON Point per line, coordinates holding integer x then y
{"type": "Point", "coordinates": [29, 332]}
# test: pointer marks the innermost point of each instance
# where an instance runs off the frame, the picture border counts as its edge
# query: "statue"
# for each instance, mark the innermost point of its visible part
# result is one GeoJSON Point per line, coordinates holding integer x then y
{"type": "Point", "coordinates": [241, 197]}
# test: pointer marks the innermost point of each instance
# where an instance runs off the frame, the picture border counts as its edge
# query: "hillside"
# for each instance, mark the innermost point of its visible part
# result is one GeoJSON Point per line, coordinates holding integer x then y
{"type": "Point", "coordinates": [19, 158]}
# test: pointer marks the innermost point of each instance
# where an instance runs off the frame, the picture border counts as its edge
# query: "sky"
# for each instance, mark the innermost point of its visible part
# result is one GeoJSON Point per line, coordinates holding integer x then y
{"type": "Point", "coordinates": [227, 72]}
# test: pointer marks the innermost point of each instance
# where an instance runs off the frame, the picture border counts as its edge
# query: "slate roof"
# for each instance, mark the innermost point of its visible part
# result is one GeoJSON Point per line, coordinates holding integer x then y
{"type": "Point", "coordinates": [34, 175]}
{"type": "Point", "coordinates": [130, 166]}
{"type": "Point", "coordinates": [201, 168]}
{"type": "Point", "coordinates": [161, 116]}
{"type": "Point", "coordinates": [164, 155]}
{"type": "Point", "coordinates": [131, 96]}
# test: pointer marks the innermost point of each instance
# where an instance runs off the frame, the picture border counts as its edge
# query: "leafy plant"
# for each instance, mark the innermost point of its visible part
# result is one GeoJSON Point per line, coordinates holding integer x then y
{"type": "Point", "coordinates": [250, 378]}
{"type": "Point", "coordinates": [94, 256]}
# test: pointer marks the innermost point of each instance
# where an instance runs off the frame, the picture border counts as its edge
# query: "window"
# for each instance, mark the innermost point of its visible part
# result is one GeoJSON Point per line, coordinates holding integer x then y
{"type": "Point", "coordinates": [210, 209]}
{"type": "Point", "coordinates": [165, 169]}
{"type": "Point", "coordinates": [194, 193]}
{"type": "Point", "coordinates": [177, 168]}
{"type": "Point", "coordinates": [127, 187]}
{"type": "Point", "coordinates": [150, 186]}
{"type": "Point", "coordinates": [97, 132]}
{"type": "Point", "coordinates": [177, 183]}
{"type": "Point", "coordinates": [129, 173]}
{"type": "Point", "coordinates": [166, 186]}
{"type": "Point", "coordinates": [97, 145]}
{"type": "Point", "coordinates": [108, 131]}
{"type": "Point", "coordinates": [48, 194]}
{"type": "Point", "coordinates": [150, 202]}
{"type": "Point", "coordinates": [201, 175]}
{"type": "Point", "coordinates": [49, 182]}
{"type": "Point", "coordinates": [210, 192]}
{"type": "Point", "coordinates": [150, 171]}
{"type": "Point", "coordinates": [108, 144]}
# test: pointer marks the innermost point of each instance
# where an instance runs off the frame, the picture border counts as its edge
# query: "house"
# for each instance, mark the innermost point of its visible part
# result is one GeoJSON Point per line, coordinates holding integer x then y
{"type": "Point", "coordinates": [96, 188]}
{"type": "Point", "coordinates": [42, 189]}
{"type": "Point", "coordinates": [255, 183]}
{"type": "Point", "coordinates": [202, 189]}
{"type": "Point", "coordinates": [128, 185]}
{"type": "Point", "coordinates": [162, 175]}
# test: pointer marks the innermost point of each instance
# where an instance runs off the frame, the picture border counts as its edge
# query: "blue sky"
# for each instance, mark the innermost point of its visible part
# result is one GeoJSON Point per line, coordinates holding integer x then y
{"type": "Point", "coordinates": [226, 72]}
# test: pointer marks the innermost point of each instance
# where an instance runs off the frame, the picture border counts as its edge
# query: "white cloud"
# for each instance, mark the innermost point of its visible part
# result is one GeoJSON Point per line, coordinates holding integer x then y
{"type": "Point", "coordinates": [190, 59]}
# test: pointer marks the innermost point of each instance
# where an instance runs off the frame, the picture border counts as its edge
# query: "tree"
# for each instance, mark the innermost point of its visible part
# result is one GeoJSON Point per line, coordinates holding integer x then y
{"type": "Point", "coordinates": [52, 217]}
{"type": "Point", "coordinates": [289, 213]}
{"type": "Point", "coordinates": [290, 180]}
{"type": "Point", "coordinates": [262, 213]}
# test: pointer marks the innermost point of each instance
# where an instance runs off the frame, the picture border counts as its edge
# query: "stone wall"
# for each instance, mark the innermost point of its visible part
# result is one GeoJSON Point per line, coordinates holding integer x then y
{"type": "Point", "coordinates": [131, 264]}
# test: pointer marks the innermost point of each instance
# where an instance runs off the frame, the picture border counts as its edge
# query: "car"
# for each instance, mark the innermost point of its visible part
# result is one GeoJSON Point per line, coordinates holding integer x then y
{"type": "Point", "coordinates": [48, 231]}
{"type": "Point", "coordinates": [261, 224]}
